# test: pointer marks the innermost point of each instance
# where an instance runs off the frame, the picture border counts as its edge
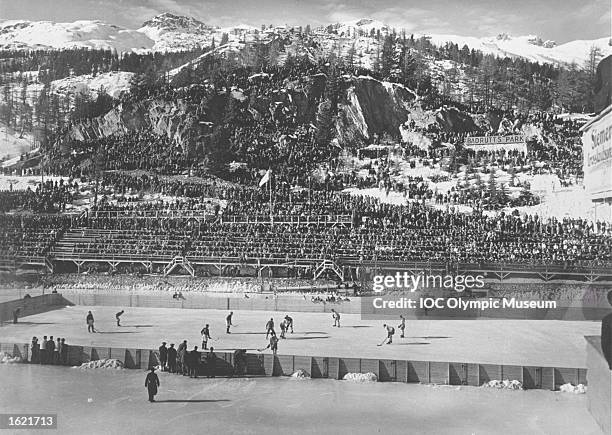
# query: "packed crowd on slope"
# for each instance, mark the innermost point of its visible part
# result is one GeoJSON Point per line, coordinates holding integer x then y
{"type": "Point", "coordinates": [272, 135]}
{"type": "Point", "coordinates": [48, 197]}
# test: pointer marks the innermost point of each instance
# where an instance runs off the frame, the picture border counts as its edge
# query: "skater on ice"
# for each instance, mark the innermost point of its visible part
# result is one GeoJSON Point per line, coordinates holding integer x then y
{"type": "Point", "coordinates": [336, 317]}
{"type": "Point", "coordinates": [90, 322]}
{"type": "Point", "coordinates": [118, 317]}
{"type": "Point", "coordinates": [228, 322]}
{"type": "Point", "coordinates": [289, 323]}
{"type": "Point", "coordinates": [390, 331]}
{"type": "Point", "coordinates": [205, 332]}
{"type": "Point", "coordinates": [272, 345]}
{"type": "Point", "coordinates": [270, 328]}
{"type": "Point", "coordinates": [402, 326]}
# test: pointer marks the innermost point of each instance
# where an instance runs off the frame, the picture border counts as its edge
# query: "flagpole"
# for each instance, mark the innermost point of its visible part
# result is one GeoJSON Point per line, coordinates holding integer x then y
{"type": "Point", "coordinates": [270, 183]}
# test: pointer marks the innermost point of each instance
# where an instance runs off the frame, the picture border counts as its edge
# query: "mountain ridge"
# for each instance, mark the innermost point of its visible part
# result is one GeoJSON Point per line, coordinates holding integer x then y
{"type": "Point", "coordinates": [170, 32]}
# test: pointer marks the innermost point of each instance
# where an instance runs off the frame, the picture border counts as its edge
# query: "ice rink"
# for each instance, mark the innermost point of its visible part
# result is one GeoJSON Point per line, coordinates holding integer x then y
{"type": "Point", "coordinates": [280, 405]}
{"type": "Point", "coordinates": [486, 341]}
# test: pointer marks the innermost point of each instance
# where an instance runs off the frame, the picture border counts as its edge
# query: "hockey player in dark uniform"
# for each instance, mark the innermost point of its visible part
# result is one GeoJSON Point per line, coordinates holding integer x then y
{"type": "Point", "coordinates": [390, 331]}
{"type": "Point", "coordinates": [289, 323]}
{"type": "Point", "coordinates": [90, 322]}
{"type": "Point", "coordinates": [270, 327]}
{"type": "Point", "coordinates": [205, 336]}
{"type": "Point", "coordinates": [228, 322]}
{"type": "Point", "coordinates": [402, 326]}
{"type": "Point", "coordinates": [336, 317]}
{"type": "Point", "coordinates": [118, 317]}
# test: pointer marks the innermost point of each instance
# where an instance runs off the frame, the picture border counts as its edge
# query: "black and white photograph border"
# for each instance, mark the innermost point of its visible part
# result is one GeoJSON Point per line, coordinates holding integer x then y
{"type": "Point", "coordinates": [306, 216]}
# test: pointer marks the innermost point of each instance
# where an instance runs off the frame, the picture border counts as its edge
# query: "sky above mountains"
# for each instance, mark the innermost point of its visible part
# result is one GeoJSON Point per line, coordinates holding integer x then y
{"type": "Point", "coordinates": [560, 20]}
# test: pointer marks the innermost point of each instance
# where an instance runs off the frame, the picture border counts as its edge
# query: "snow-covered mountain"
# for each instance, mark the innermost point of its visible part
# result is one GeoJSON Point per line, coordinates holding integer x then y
{"type": "Point", "coordinates": [168, 32]}
{"type": "Point", "coordinates": [529, 47]}
{"type": "Point", "coordinates": [21, 34]}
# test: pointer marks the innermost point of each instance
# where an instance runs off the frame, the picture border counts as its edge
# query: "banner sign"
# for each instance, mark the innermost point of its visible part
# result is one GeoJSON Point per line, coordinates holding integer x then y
{"type": "Point", "coordinates": [494, 140]}
{"type": "Point", "coordinates": [597, 153]}
{"type": "Point", "coordinates": [495, 143]}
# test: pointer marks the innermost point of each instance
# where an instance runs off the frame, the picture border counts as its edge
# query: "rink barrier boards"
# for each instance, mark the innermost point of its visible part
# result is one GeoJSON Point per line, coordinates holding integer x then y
{"type": "Point", "coordinates": [599, 393]}
{"type": "Point", "coordinates": [387, 370]}
{"type": "Point", "coordinates": [30, 306]}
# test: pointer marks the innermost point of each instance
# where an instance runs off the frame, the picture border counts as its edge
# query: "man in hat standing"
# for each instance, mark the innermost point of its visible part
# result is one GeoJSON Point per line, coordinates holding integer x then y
{"type": "Point", "coordinates": [151, 384]}
{"type": "Point", "coordinates": [172, 358]}
{"type": "Point", "coordinates": [163, 356]}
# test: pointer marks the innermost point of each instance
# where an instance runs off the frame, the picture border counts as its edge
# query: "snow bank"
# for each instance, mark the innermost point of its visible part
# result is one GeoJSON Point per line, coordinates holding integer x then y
{"type": "Point", "coordinates": [505, 385]}
{"type": "Point", "coordinates": [360, 377]}
{"type": "Point", "coordinates": [6, 358]}
{"type": "Point", "coordinates": [575, 389]}
{"type": "Point", "coordinates": [301, 374]}
{"type": "Point", "coordinates": [109, 363]}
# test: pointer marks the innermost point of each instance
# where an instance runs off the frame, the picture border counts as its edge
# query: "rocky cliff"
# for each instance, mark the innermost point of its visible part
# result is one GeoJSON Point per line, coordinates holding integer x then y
{"type": "Point", "coordinates": [366, 107]}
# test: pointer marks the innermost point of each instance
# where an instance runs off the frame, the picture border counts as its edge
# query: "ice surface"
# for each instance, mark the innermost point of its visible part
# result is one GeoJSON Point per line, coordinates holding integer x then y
{"type": "Point", "coordinates": [548, 343]}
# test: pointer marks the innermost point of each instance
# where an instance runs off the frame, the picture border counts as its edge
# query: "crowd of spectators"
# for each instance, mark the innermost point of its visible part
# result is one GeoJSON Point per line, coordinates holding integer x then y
{"type": "Point", "coordinates": [375, 231]}
{"type": "Point", "coordinates": [48, 197]}
{"type": "Point", "coordinates": [565, 294]}
{"type": "Point", "coordinates": [29, 235]}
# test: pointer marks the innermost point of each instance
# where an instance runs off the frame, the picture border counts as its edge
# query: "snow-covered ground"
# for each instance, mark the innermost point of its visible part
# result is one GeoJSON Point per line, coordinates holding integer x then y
{"type": "Point", "coordinates": [113, 83]}
{"type": "Point", "coordinates": [115, 402]}
{"type": "Point", "coordinates": [529, 47]}
{"type": "Point", "coordinates": [13, 143]}
{"type": "Point", "coordinates": [22, 183]}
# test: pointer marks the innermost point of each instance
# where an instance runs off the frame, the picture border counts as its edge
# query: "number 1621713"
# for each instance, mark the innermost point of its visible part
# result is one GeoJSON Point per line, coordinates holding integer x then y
{"type": "Point", "coordinates": [28, 421]}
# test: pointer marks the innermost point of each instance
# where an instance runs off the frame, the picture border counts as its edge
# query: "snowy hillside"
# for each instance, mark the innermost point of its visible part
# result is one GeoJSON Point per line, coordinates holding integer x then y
{"type": "Point", "coordinates": [168, 32]}
{"type": "Point", "coordinates": [95, 34]}
{"type": "Point", "coordinates": [113, 84]}
{"type": "Point", "coordinates": [171, 32]}
{"type": "Point", "coordinates": [528, 47]}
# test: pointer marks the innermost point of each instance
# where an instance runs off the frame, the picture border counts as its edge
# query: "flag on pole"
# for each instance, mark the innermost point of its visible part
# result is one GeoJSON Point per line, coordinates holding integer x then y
{"type": "Point", "coordinates": [265, 178]}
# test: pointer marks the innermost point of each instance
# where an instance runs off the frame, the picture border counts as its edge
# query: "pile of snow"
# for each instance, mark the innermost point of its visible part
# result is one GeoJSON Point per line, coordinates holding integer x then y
{"type": "Point", "coordinates": [360, 377]}
{"type": "Point", "coordinates": [504, 385]}
{"type": "Point", "coordinates": [110, 363]}
{"type": "Point", "coordinates": [6, 358]}
{"type": "Point", "coordinates": [301, 374]}
{"type": "Point", "coordinates": [575, 389]}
